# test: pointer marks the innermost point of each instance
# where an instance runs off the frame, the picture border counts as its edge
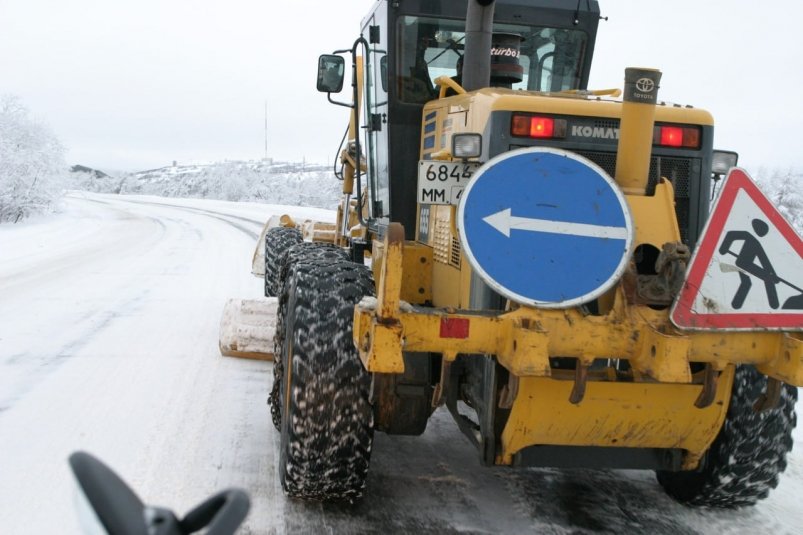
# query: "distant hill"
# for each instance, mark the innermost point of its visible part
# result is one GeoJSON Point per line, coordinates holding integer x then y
{"type": "Point", "coordinates": [97, 173]}
{"type": "Point", "coordinates": [295, 184]}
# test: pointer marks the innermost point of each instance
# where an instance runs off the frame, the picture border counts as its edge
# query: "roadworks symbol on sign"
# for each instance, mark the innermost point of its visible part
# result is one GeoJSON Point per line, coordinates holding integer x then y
{"type": "Point", "coordinates": [747, 270]}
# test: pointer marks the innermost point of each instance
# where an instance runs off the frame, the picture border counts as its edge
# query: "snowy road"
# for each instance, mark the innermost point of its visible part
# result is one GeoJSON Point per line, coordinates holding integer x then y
{"type": "Point", "coordinates": [108, 342]}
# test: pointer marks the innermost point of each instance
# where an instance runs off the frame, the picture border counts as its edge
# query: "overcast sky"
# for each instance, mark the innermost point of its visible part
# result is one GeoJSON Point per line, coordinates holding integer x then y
{"type": "Point", "coordinates": [136, 84]}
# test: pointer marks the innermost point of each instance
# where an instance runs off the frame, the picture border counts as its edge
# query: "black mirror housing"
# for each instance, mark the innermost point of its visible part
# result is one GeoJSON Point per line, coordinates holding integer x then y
{"type": "Point", "coordinates": [331, 69]}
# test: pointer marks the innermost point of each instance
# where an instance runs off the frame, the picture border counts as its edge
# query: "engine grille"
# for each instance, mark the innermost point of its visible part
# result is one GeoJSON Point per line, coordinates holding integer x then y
{"type": "Point", "coordinates": [606, 123]}
{"type": "Point", "coordinates": [446, 248]}
{"type": "Point", "coordinates": [677, 170]}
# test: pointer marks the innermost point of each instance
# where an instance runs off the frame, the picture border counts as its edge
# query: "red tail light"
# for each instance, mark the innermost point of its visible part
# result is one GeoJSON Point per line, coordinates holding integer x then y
{"type": "Point", "coordinates": [538, 127]}
{"type": "Point", "coordinates": [687, 137]}
{"type": "Point", "coordinates": [671, 136]}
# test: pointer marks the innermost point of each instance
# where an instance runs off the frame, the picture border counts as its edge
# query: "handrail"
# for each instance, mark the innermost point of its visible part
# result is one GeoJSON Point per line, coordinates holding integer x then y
{"type": "Point", "coordinates": [447, 83]}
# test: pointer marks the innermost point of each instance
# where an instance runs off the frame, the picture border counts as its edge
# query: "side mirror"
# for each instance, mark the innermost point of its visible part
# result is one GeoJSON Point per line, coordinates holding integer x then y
{"type": "Point", "coordinates": [330, 73]}
{"type": "Point", "coordinates": [722, 161]}
{"type": "Point", "coordinates": [108, 505]}
{"type": "Point", "coordinates": [105, 502]}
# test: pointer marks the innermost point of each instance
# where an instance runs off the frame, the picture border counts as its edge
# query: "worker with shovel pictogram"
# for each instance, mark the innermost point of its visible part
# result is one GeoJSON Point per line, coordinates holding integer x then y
{"type": "Point", "coordinates": [752, 261]}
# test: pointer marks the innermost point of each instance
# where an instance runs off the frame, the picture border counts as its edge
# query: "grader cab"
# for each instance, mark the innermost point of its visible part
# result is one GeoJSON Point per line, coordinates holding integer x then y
{"type": "Point", "coordinates": [514, 247]}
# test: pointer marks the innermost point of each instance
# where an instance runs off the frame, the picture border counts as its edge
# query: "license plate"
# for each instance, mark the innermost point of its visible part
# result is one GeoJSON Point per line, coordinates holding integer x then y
{"type": "Point", "coordinates": [443, 182]}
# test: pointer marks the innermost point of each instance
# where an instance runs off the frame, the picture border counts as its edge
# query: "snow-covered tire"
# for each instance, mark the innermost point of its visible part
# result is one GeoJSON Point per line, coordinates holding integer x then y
{"type": "Point", "coordinates": [327, 423]}
{"type": "Point", "coordinates": [277, 241]}
{"type": "Point", "coordinates": [301, 257]}
{"type": "Point", "coordinates": [748, 455]}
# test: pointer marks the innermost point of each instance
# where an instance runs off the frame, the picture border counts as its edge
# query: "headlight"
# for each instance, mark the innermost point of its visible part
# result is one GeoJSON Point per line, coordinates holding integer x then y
{"type": "Point", "coordinates": [722, 161]}
{"type": "Point", "coordinates": [466, 146]}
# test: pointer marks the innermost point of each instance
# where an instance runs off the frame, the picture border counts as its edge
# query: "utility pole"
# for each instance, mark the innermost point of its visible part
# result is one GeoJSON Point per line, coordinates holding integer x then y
{"type": "Point", "coordinates": [266, 130]}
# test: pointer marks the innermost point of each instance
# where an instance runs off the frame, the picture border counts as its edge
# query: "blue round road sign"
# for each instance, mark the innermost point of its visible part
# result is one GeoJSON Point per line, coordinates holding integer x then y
{"type": "Point", "coordinates": [545, 227]}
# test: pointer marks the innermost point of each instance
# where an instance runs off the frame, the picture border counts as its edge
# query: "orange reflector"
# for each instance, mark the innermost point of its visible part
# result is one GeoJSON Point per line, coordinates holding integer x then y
{"type": "Point", "coordinates": [454, 327]}
{"type": "Point", "coordinates": [691, 138]}
{"type": "Point", "coordinates": [520, 125]}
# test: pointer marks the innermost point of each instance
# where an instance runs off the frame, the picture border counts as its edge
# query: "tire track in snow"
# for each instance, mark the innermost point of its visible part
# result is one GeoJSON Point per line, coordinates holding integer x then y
{"type": "Point", "coordinates": [75, 257]}
{"type": "Point", "coordinates": [30, 368]}
{"type": "Point", "coordinates": [221, 216]}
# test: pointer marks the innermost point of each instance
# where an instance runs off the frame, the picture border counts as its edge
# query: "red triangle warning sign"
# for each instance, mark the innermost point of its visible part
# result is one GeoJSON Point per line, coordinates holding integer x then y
{"type": "Point", "coordinates": [747, 270]}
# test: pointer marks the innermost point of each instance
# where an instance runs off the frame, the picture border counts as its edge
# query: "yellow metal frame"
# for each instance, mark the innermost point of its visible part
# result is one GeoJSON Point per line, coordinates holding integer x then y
{"type": "Point", "coordinates": [615, 414]}
{"type": "Point", "coordinates": [657, 409]}
{"type": "Point", "coordinates": [523, 339]}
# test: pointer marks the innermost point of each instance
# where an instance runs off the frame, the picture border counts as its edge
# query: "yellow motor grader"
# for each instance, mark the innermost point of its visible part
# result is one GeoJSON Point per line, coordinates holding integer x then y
{"type": "Point", "coordinates": [515, 247]}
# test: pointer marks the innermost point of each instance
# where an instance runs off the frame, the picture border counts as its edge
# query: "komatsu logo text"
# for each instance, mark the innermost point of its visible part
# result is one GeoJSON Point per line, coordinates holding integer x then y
{"type": "Point", "coordinates": [597, 132]}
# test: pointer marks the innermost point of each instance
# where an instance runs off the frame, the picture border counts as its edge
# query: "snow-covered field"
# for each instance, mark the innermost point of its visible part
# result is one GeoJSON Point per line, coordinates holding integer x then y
{"type": "Point", "coordinates": [109, 316]}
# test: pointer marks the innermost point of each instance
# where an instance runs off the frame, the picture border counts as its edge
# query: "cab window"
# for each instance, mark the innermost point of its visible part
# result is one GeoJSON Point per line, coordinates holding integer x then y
{"type": "Point", "coordinates": [551, 58]}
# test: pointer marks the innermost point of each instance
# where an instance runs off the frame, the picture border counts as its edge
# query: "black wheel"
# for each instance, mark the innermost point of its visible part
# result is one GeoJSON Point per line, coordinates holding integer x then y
{"type": "Point", "coordinates": [277, 241]}
{"type": "Point", "coordinates": [301, 257]}
{"type": "Point", "coordinates": [748, 455]}
{"type": "Point", "coordinates": [327, 420]}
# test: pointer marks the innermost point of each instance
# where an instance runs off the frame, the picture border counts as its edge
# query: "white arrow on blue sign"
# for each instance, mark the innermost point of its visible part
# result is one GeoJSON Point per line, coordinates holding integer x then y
{"type": "Point", "coordinates": [545, 227]}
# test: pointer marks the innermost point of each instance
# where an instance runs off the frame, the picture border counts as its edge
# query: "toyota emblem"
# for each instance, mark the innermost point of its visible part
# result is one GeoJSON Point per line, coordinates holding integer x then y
{"type": "Point", "coordinates": [645, 85]}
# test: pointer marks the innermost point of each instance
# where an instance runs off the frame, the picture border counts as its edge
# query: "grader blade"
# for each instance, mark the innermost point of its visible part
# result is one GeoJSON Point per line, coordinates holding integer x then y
{"type": "Point", "coordinates": [258, 258]}
{"type": "Point", "coordinates": [247, 327]}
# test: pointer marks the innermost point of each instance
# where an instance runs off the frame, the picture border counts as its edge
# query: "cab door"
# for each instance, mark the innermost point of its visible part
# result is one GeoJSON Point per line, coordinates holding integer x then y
{"type": "Point", "coordinates": [375, 31]}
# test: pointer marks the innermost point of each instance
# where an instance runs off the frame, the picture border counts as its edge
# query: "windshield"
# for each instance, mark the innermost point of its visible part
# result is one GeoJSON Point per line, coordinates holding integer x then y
{"type": "Point", "coordinates": [551, 59]}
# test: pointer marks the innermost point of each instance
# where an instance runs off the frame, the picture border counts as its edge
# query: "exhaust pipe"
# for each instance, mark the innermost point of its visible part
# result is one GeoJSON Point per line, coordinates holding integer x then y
{"type": "Point", "coordinates": [636, 129]}
{"type": "Point", "coordinates": [477, 55]}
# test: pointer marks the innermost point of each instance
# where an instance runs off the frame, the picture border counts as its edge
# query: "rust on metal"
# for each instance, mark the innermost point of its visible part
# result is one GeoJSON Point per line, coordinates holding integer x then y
{"type": "Point", "coordinates": [389, 291]}
{"type": "Point", "coordinates": [580, 382]}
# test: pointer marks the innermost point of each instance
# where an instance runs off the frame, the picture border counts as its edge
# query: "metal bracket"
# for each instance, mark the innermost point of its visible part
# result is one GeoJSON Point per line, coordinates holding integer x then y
{"type": "Point", "coordinates": [376, 120]}
{"type": "Point", "coordinates": [580, 382]}
{"type": "Point", "coordinates": [373, 34]}
{"type": "Point", "coordinates": [443, 384]}
{"type": "Point", "coordinates": [663, 288]}
{"type": "Point", "coordinates": [389, 290]}
{"type": "Point", "coordinates": [771, 396]}
{"type": "Point", "coordinates": [509, 392]}
{"type": "Point", "coordinates": [709, 392]}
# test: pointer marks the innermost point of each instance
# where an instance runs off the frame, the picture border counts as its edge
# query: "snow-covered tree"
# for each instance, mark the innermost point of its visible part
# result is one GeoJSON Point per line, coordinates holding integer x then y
{"type": "Point", "coordinates": [32, 165]}
{"type": "Point", "coordinates": [784, 187]}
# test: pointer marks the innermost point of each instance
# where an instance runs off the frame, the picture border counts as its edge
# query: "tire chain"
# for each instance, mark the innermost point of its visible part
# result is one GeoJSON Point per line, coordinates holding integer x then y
{"type": "Point", "coordinates": [299, 257]}
{"type": "Point", "coordinates": [748, 455]}
{"type": "Point", "coordinates": [277, 241]}
{"type": "Point", "coordinates": [326, 443]}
